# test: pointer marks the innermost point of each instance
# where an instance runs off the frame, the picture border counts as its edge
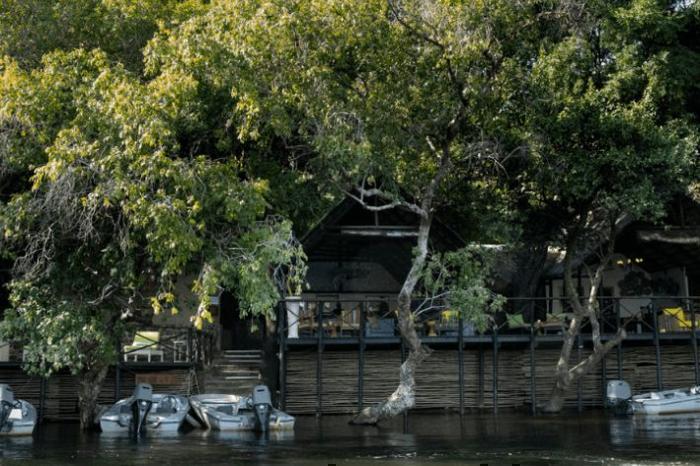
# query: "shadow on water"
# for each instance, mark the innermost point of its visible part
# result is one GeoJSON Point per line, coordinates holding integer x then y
{"type": "Point", "coordinates": [509, 438]}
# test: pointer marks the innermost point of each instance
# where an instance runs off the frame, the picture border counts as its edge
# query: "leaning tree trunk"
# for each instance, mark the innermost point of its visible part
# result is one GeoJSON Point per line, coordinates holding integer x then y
{"type": "Point", "coordinates": [404, 397]}
{"type": "Point", "coordinates": [564, 375]}
{"type": "Point", "coordinates": [89, 386]}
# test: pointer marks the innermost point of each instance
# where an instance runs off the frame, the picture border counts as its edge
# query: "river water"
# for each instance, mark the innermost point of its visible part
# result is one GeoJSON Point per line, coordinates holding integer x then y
{"type": "Point", "coordinates": [588, 438]}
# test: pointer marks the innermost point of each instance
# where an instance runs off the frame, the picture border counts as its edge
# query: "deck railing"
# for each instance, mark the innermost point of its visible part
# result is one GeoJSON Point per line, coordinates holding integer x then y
{"type": "Point", "coordinates": [335, 319]}
{"type": "Point", "coordinates": [358, 324]}
{"type": "Point", "coordinates": [165, 345]}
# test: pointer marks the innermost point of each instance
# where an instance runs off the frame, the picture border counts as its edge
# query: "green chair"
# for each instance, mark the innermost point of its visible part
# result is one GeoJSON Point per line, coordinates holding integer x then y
{"type": "Point", "coordinates": [145, 344]}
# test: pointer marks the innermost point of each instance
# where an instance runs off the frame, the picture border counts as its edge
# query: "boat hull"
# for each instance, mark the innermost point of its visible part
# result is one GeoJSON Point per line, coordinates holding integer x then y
{"type": "Point", "coordinates": [232, 413]}
{"type": "Point", "coordinates": [166, 415]}
{"type": "Point", "coordinates": [23, 426]}
{"type": "Point", "coordinates": [667, 402]}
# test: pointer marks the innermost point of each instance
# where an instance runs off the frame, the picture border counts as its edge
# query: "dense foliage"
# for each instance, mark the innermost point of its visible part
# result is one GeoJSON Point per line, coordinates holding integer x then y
{"type": "Point", "coordinates": [145, 143]}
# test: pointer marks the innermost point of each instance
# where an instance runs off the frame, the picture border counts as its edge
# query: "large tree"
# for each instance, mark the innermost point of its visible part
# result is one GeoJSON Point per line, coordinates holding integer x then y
{"type": "Point", "coordinates": [120, 207]}
{"type": "Point", "coordinates": [396, 104]}
{"type": "Point", "coordinates": [605, 147]}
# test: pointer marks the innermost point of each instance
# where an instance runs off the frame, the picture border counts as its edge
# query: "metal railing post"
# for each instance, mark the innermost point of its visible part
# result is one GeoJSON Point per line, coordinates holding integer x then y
{"type": "Point", "coordinates": [694, 341]}
{"type": "Point", "coordinates": [282, 340]}
{"type": "Point", "coordinates": [533, 342]}
{"type": "Point", "coordinates": [118, 374]}
{"type": "Point", "coordinates": [619, 346]}
{"type": "Point", "coordinates": [460, 361]}
{"type": "Point", "coordinates": [42, 397]}
{"type": "Point", "coordinates": [361, 358]}
{"type": "Point", "coordinates": [319, 360]}
{"type": "Point", "coordinates": [657, 346]}
{"type": "Point", "coordinates": [481, 375]}
{"type": "Point", "coordinates": [579, 348]}
{"type": "Point", "coordinates": [495, 368]}
{"type": "Point", "coordinates": [190, 359]}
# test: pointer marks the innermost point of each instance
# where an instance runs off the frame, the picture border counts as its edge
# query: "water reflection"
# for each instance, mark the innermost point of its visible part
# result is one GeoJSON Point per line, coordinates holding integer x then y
{"type": "Point", "coordinates": [260, 438]}
{"type": "Point", "coordinates": [629, 431]}
{"type": "Point", "coordinates": [15, 447]}
{"type": "Point", "coordinates": [591, 437]}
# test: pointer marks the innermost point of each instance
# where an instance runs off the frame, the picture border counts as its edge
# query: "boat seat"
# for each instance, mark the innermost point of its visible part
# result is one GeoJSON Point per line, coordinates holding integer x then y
{"type": "Point", "coordinates": [228, 409]}
{"type": "Point", "coordinates": [167, 406]}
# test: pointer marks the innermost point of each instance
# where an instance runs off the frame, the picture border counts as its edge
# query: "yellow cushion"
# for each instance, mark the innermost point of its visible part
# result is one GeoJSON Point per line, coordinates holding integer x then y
{"type": "Point", "coordinates": [449, 315]}
{"type": "Point", "coordinates": [677, 315]}
{"type": "Point", "coordinates": [143, 339]}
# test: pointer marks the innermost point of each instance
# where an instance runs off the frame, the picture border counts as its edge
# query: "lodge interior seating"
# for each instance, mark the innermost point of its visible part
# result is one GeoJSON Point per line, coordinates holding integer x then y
{"type": "Point", "coordinates": [376, 326]}
{"type": "Point", "coordinates": [555, 324]}
{"type": "Point", "coordinates": [674, 319]}
{"type": "Point", "coordinates": [448, 324]}
{"type": "Point", "coordinates": [337, 322]}
{"type": "Point", "coordinates": [307, 320]}
{"type": "Point", "coordinates": [349, 324]}
{"type": "Point", "coordinates": [146, 343]}
{"type": "Point", "coordinates": [516, 323]}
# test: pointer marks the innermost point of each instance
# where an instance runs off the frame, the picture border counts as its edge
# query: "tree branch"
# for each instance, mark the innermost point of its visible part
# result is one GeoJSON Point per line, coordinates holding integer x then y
{"type": "Point", "coordinates": [381, 194]}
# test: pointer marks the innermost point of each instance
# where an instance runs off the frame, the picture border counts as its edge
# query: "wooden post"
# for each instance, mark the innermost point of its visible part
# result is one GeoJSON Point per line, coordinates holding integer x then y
{"type": "Point", "coordinates": [694, 341]}
{"type": "Point", "coordinates": [657, 346]}
{"type": "Point", "coordinates": [693, 325]}
{"type": "Point", "coordinates": [619, 345]}
{"type": "Point", "coordinates": [604, 377]}
{"type": "Point", "coordinates": [533, 343]}
{"type": "Point", "coordinates": [579, 345]}
{"type": "Point", "coordinates": [190, 359]}
{"type": "Point", "coordinates": [361, 361]}
{"type": "Point", "coordinates": [117, 381]}
{"type": "Point", "coordinates": [481, 375]}
{"type": "Point", "coordinates": [282, 339]}
{"type": "Point", "coordinates": [118, 374]}
{"type": "Point", "coordinates": [460, 361]}
{"type": "Point", "coordinates": [319, 355]}
{"type": "Point", "coordinates": [495, 368]}
{"type": "Point", "coordinates": [42, 396]}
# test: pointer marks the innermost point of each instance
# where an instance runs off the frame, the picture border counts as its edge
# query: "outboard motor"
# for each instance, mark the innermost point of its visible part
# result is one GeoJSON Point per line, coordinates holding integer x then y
{"type": "Point", "coordinates": [262, 405]}
{"type": "Point", "coordinates": [7, 403]}
{"type": "Point", "coordinates": [618, 395]}
{"type": "Point", "coordinates": [140, 407]}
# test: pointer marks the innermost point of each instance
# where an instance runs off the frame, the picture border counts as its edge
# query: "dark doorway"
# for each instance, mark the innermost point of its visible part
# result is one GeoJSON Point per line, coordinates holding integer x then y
{"type": "Point", "coordinates": [237, 333]}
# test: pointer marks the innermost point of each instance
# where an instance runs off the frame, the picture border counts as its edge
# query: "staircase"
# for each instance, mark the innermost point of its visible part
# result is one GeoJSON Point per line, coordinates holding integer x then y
{"type": "Point", "coordinates": [233, 371]}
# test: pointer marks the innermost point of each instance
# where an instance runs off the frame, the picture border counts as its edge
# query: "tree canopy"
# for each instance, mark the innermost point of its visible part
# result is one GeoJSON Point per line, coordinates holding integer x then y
{"type": "Point", "coordinates": [147, 142]}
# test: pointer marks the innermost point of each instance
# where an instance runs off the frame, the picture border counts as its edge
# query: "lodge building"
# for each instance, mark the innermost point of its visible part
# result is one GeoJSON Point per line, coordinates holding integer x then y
{"type": "Point", "coordinates": [336, 348]}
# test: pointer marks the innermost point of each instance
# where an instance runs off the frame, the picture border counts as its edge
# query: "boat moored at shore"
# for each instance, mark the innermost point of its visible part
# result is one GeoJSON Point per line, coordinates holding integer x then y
{"type": "Point", "coordinates": [241, 413]}
{"type": "Point", "coordinates": [17, 417]}
{"type": "Point", "coordinates": [675, 401]}
{"type": "Point", "coordinates": [145, 411]}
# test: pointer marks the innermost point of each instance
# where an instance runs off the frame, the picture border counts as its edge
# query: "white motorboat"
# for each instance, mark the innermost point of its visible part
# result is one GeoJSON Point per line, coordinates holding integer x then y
{"type": "Point", "coordinates": [145, 410]}
{"type": "Point", "coordinates": [17, 417]}
{"type": "Point", "coordinates": [241, 413]}
{"type": "Point", "coordinates": [667, 402]}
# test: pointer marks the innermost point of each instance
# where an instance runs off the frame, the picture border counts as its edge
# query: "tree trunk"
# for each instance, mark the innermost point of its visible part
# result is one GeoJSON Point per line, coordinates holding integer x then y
{"type": "Point", "coordinates": [566, 376]}
{"type": "Point", "coordinates": [404, 397]}
{"type": "Point", "coordinates": [556, 399]}
{"type": "Point", "coordinates": [89, 386]}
